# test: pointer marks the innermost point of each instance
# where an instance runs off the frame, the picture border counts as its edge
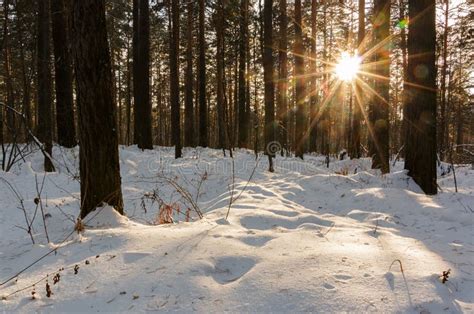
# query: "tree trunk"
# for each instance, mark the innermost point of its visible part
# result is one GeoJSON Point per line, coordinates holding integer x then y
{"type": "Point", "coordinates": [10, 101]}
{"type": "Point", "coordinates": [63, 69]}
{"type": "Point", "coordinates": [222, 140]}
{"type": "Point", "coordinates": [314, 92]}
{"type": "Point", "coordinates": [283, 79]}
{"type": "Point", "coordinates": [420, 89]}
{"type": "Point", "coordinates": [444, 73]}
{"type": "Point", "coordinates": [129, 98]}
{"type": "Point", "coordinates": [300, 83]}
{"type": "Point", "coordinates": [355, 143]}
{"type": "Point", "coordinates": [189, 134]}
{"type": "Point", "coordinates": [203, 136]}
{"type": "Point", "coordinates": [99, 158]}
{"type": "Point", "coordinates": [381, 69]}
{"type": "Point", "coordinates": [268, 79]}
{"type": "Point", "coordinates": [141, 78]}
{"type": "Point", "coordinates": [403, 47]}
{"type": "Point", "coordinates": [174, 79]}
{"type": "Point", "coordinates": [243, 43]}
{"type": "Point", "coordinates": [45, 133]}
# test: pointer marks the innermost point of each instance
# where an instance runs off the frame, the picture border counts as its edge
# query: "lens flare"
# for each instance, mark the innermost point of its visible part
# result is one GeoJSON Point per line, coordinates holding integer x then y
{"type": "Point", "coordinates": [347, 67]}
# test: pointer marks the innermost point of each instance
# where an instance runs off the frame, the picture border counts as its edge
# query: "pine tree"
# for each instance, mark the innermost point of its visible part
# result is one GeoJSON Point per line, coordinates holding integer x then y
{"type": "Point", "coordinates": [282, 99]}
{"type": "Point", "coordinates": [99, 158]}
{"type": "Point", "coordinates": [243, 43]}
{"type": "Point", "coordinates": [63, 70]}
{"type": "Point", "coordinates": [189, 130]}
{"type": "Point", "coordinates": [174, 79]}
{"type": "Point", "coordinates": [300, 82]}
{"type": "Point", "coordinates": [141, 71]}
{"type": "Point", "coordinates": [203, 136]}
{"type": "Point", "coordinates": [268, 80]}
{"type": "Point", "coordinates": [381, 69]}
{"type": "Point", "coordinates": [355, 141]}
{"type": "Point", "coordinates": [45, 132]}
{"type": "Point", "coordinates": [421, 110]}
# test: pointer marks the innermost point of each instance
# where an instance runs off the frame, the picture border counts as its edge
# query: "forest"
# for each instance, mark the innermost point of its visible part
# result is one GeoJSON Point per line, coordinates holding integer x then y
{"type": "Point", "coordinates": [237, 155]}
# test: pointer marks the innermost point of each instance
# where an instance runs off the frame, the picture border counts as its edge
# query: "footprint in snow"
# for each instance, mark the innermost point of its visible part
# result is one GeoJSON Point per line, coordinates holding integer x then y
{"type": "Point", "coordinates": [329, 287]}
{"type": "Point", "coordinates": [343, 278]}
{"type": "Point", "coordinates": [256, 241]}
{"type": "Point", "coordinates": [231, 268]}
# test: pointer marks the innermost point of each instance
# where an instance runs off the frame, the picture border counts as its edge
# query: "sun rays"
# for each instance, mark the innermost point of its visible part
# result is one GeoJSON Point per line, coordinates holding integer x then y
{"type": "Point", "coordinates": [347, 67]}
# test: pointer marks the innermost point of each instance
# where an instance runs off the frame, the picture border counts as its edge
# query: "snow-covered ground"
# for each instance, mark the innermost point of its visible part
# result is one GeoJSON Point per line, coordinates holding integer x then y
{"type": "Point", "coordinates": [305, 238]}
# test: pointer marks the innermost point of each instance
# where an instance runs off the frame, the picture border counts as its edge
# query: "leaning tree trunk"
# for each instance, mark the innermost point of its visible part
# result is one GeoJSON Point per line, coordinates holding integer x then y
{"type": "Point", "coordinates": [63, 69]}
{"type": "Point", "coordinates": [99, 158]}
{"type": "Point", "coordinates": [380, 113]}
{"type": "Point", "coordinates": [174, 79]}
{"type": "Point", "coordinates": [45, 132]}
{"type": "Point", "coordinates": [421, 111]}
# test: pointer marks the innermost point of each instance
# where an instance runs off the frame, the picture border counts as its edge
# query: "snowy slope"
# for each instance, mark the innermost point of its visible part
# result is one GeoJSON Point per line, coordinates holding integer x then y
{"type": "Point", "coordinates": [306, 238]}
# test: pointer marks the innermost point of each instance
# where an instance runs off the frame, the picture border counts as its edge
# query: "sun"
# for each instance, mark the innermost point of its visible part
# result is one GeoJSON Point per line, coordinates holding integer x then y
{"type": "Point", "coordinates": [347, 67]}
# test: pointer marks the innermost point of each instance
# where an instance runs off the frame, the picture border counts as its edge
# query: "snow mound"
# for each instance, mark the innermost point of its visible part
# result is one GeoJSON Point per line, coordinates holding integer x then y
{"type": "Point", "coordinates": [106, 217]}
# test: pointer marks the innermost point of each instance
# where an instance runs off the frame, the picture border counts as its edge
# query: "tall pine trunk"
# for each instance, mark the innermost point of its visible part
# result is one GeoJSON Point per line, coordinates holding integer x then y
{"type": "Point", "coordinates": [268, 80]}
{"type": "Point", "coordinates": [381, 69]}
{"type": "Point", "coordinates": [243, 43]}
{"type": "Point", "coordinates": [300, 83]}
{"type": "Point", "coordinates": [174, 79]}
{"type": "Point", "coordinates": [12, 133]}
{"type": "Point", "coordinates": [420, 160]}
{"type": "Point", "coordinates": [63, 69]}
{"type": "Point", "coordinates": [313, 66]}
{"type": "Point", "coordinates": [282, 99]}
{"type": "Point", "coordinates": [45, 127]}
{"type": "Point", "coordinates": [203, 136]}
{"type": "Point", "coordinates": [189, 133]}
{"type": "Point", "coordinates": [99, 158]}
{"type": "Point", "coordinates": [355, 141]}
{"type": "Point", "coordinates": [222, 140]}
{"type": "Point", "coordinates": [141, 77]}
{"type": "Point", "coordinates": [444, 73]}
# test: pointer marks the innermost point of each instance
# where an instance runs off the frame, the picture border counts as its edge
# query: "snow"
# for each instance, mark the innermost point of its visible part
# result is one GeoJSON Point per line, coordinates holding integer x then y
{"type": "Point", "coordinates": [305, 238]}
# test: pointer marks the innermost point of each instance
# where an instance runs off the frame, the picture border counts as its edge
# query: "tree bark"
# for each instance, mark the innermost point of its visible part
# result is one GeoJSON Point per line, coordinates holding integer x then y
{"type": "Point", "coordinates": [203, 136]}
{"type": "Point", "coordinates": [444, 73]}
{"type": "Point", "coordinates": [141, 78]}
{"type": "Point", "coordinates": [45, 132]}
{"type": "Point", "coordinates": [99, 158]}
{"type": "Point", "coordinates": [268, 79]}
{"type": "Point", "coordinates": [174, 79]}
{"type": "Point", "coordinates": [283, 78]}
{"type": "Point", "coordinates": [10, 101]}
{"type": "Point", "coordinates": [220, 25]}
{"type": "Point", "coordinates": [420, 90]}
{"type": "Point", "coordinates": [243, 43]}
{"type": "Point", "coordinates": [63, 69]}
{"type": "Point", "coordinates": [313, 66]}
{"type": "Point", "coordinates": [300, 83]}
{"type": "Point", "coordinates": [355, 144]}
{"type": "Point", "coordinates": [380, 113]}
{"type": "Point", "coordinates": [189, 93]}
